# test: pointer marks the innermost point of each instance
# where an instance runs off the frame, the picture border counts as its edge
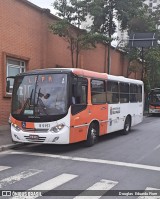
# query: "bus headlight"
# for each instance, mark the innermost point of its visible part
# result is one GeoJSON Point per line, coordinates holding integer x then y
{"type": "Point", "coordinates": [16, 127]}
{"type": "Point", "coordinates": [56, 129]}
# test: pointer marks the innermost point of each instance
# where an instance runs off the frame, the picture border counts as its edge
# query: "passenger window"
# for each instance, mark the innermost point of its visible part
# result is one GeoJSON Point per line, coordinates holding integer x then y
{"type": "Point", "coordinates": [98, 94]}
{"type": "Point", "coordinates": [133, 93]}
{"type": "Point", "coordinates": [112, 92]}
{"type": "Point", "coordinates": [139, 94]}
{"type": "Point", "coordinates": [124, 92]}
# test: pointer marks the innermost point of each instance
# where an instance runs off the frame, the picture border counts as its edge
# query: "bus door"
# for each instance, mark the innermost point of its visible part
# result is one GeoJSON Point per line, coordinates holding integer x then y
{"type": "Point", "coordinates": [79, 112]}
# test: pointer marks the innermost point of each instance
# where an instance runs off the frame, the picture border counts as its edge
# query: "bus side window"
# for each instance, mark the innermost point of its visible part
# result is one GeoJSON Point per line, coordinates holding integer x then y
{"type": "Point", "coordinates": [124, 92]}
{"type": "Point", "coordinates": [98, 94]}
{"type": "Point", "coordinates": [112, 92]}
{"type": "Point", "coordinates": [81, 97]}
{"type": "Point", "coordinates": [139, 95]}
{"type": "Point", "coordinates": [133, 93]}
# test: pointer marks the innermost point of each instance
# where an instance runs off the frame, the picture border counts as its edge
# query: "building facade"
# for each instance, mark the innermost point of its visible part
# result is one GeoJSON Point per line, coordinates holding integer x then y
{"type": "Point", "coordinates": [26, 44]}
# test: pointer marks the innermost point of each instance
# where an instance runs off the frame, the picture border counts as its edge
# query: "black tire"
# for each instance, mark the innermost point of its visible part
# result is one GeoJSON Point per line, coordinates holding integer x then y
{"type": "Point", "coordinates": [127, 125]}
{"type": "Point", "coordinates": [92, 135]}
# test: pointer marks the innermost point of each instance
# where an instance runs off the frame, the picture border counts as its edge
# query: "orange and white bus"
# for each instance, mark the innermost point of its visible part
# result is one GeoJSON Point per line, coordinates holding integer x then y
{"type": "Point", "coordinates": [154, 101]}
{"type": "Point", "coordinates": [63, 106]}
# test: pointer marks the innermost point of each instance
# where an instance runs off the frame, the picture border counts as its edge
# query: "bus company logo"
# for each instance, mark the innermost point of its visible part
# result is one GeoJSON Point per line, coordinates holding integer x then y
{"type": "Point", "coordinates": [23, 124]}
{"type": "Point", "coordinates": [114, 110]}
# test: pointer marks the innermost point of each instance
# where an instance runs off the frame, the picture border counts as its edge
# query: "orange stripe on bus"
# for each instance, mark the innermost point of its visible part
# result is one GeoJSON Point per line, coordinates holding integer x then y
{"type": "Point", "coordinates": [19, 123]}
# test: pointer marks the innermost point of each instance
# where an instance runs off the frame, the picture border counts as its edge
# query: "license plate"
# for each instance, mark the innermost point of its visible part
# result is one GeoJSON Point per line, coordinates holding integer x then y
{"type": "Point", "coordinates": [34, 137]}
{"type": "Point", "coordinates": [43, 126]}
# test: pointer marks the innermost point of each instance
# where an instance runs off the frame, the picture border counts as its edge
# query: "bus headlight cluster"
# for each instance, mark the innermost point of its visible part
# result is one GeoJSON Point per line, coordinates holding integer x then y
{"type": "Point", "coordinates": [56, 129]}
{"type": "Point", "coordinates": [16, 127]}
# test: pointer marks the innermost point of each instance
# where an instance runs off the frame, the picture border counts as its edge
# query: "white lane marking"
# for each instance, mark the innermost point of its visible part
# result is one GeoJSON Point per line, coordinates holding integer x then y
{"type": "Point", "coordinates": [20, 176]}
{"type": "Point", "coordinates": [103, 186]}
{"type": "Point", "coordinates": [4, 168]}
{"type": "Point", "coordinates": [100, 161]}
{"type": "Point", "coordinates": [49, 185]}
{"type": "Point", "coordinates": [151, 196]}
{"type": "Point", "coordinates": [157, 147]}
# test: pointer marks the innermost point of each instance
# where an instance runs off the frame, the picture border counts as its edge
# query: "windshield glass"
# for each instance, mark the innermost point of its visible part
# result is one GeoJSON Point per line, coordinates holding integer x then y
{"type": "Point", "coordinates": [155, 97]}
{"type": "Point", "coordinates": [40, 95]}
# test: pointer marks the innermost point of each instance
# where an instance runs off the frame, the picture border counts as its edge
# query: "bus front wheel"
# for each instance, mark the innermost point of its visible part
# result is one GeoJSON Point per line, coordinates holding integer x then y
{"type": "Point", "coordinates": [127, 125]}
{"type": "Point", "coordinates": [92, 135]}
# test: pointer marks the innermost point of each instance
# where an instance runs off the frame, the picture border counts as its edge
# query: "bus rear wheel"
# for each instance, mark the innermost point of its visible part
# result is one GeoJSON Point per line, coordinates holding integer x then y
{"type": "Point", "coordinates": [127, 125]}
{"type": "Point", "coordinates": [92, 135]}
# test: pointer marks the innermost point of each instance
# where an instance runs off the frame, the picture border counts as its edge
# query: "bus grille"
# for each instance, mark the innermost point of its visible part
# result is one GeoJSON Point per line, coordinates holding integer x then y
{"type": "Point", "coordinates": [35, 130]}
{"type": "Point", "coordinates": [40, 139]}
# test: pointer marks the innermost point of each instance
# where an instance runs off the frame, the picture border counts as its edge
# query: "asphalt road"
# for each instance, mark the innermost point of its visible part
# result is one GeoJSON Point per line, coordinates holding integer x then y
{"type": "Point", "coordinates": [125, 164]}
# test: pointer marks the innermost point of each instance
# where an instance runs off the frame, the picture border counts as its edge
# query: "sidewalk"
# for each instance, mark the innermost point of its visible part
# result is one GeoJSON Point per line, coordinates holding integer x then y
{"type": "Point", "coordinates": [5, 139]}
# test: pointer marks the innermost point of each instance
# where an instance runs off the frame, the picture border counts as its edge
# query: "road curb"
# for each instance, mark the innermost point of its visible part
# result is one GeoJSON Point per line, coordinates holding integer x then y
{"type": "Point", "coordinates": [10, 146]}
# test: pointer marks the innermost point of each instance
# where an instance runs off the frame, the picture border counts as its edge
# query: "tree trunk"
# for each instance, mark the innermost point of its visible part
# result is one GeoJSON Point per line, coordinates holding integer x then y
{"type": "Point", "coordinates": [105, 57]}
{"type": "Point", "coordinates": [72, 53]}
{"type": "Point", "coordinates": [77, 54]}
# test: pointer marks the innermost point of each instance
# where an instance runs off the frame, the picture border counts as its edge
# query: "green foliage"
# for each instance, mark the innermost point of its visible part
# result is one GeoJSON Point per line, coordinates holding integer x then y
{"type": "Point", "coordinates": [152, 59]}
{"type": "Point", "coordinates": [105, 12]}
{"type": "Point", "coordinates": [74, 12]}
{"type": "Point", "coordinates": [61, 28]}
{"type": "Point", "coordinates": [145, 20]}
{"type": "Point", "coordinates": [127, 10]}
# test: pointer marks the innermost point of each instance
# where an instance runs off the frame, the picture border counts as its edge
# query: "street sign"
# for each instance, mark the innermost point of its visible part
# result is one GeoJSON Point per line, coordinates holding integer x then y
{"type": "Point", "coordinates": [142, 40]}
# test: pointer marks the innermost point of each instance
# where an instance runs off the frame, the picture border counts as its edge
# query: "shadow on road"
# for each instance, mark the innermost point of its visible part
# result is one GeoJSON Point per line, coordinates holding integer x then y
{"type": "Point", "coordinates": [59, 149]}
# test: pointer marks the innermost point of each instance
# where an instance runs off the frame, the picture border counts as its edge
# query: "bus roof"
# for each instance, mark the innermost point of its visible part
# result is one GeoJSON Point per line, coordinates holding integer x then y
{"type": "Point", "coordinates": [124, 79]}
{"type": "Point", "coordinates": [86, 73]}
{"type": "Point", "coordinates": [77, 71]}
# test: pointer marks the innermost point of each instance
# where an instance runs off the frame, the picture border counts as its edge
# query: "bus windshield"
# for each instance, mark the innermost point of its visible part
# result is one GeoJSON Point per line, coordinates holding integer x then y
{"type": "Point", "coordinates": [154, 97]}
{"type": "Point", "coordinates": [37, 96]}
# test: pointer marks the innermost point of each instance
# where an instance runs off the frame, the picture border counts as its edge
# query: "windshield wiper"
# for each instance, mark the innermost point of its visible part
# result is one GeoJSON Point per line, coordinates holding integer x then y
{"type": "Point", "coordinates": [40, 102]}
{"type": "Point", "coordinates": [27, 102]}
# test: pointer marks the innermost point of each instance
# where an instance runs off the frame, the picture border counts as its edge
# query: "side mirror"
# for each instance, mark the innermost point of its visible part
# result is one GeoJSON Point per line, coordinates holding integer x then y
{"type": "Point", "coordinates": [9, 83]}
{"type": "Point", "coordinates": [7, 86]}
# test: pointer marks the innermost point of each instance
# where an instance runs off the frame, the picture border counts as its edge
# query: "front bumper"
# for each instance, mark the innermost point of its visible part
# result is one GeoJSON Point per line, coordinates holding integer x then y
{"type": "Point", "coordinates": [154, 110]}
{"type": "Point", "coordinates": [48, 137]}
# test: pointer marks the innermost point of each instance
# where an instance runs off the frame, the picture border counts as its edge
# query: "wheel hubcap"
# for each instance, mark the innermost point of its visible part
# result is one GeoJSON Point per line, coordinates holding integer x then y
{"type": "Point", "coordinates": [93, 133]}
{"type": "Point", "coordinates": [127, 127]}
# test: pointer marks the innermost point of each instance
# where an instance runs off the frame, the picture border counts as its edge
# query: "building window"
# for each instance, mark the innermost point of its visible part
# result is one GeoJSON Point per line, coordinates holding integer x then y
{"type": "Point", "coordinates": [14, 67]}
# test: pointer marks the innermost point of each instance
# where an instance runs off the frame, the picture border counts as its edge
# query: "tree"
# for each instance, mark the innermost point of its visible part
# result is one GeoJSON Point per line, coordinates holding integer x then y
{"type": "Point", "coordinates": [143, 21]}
{"type": "Point", "coordinates": [73, 13]}
{"type": "Point", "coordinates": [105, 12]}
{"type": "Point", "coordinates": [146, 21]}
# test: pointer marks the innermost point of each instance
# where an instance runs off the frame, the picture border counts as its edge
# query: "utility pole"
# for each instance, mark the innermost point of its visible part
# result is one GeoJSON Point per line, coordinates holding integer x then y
{"type": "Point", "coordinates": [109, 34]}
